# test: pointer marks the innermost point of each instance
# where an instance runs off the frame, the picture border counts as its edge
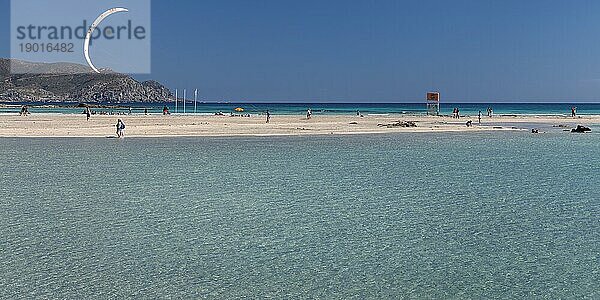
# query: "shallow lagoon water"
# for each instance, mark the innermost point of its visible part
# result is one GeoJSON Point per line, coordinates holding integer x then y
{"type": "Point", "coordinates": [491, 215]}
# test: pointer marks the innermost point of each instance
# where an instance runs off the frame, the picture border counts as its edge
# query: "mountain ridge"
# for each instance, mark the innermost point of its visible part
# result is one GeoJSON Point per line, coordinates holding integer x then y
{"type": "Point", "coordinates": [67, 82]}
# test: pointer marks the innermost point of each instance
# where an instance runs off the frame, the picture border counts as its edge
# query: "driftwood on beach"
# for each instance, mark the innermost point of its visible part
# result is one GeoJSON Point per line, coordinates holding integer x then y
{"type": "Point", "coordinates": [401, 124]}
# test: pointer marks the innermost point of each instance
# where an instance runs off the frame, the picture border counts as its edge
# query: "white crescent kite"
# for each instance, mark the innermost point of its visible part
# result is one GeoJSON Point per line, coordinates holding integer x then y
{"type": "Point", "coordinates": [88, 36]}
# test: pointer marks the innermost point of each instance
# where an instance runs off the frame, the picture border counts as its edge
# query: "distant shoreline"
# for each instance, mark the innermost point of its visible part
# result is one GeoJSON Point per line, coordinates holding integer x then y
{"type": "Point", "coordinates": [349, 109]}
{"type": "Point", "coordinates": [171, 101]}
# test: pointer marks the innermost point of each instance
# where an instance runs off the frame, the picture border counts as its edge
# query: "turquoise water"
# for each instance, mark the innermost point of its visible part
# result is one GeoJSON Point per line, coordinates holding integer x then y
{"type": "Point", "coordinates": [491, 215]}
{"type": "Point", "coordinates": [342, 108]}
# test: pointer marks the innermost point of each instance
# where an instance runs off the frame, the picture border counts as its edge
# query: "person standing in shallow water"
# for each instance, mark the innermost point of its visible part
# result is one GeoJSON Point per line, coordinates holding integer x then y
{"type": "Point", "coordinates": [268, 117]}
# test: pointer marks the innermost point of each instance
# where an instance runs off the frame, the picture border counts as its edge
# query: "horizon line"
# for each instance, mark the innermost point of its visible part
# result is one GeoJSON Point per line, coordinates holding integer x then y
{"type": "Point", "coordinates": [295, 102]}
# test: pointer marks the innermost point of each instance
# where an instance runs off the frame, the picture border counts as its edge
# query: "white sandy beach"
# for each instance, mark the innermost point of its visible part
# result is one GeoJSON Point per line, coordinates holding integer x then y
{"type": "Point", "coordinates": [64, 125]}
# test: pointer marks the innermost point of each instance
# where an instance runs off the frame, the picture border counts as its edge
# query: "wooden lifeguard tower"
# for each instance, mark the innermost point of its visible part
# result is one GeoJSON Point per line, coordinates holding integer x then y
{"type": "Point", "coordinates": [433, 103]}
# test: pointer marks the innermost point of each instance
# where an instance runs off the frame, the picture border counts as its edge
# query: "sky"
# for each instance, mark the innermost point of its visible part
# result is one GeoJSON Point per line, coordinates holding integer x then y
{"type": "Point", "coordinates": [374, 50]}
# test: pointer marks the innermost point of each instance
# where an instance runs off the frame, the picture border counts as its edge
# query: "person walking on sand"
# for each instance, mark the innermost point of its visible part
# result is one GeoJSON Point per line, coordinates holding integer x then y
{"type": "Point", "coordinates": [308, 114]}
{"type": "Point", "coordinates": [88, 113]}
{"type": "Point", "coordinates": [574, 112]}
{"type": "Point", "coordinates": [120, 129]}
{"type": "Point", "coordinates": [268, 117]}
{"type": "Point", "coordinates": [479, 117]}
{"type": "Point", "coordinates": [457, 113]}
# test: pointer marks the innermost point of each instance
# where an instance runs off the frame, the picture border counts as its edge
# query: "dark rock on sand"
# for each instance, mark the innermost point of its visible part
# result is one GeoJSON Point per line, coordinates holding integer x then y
{"type": "Point", "coordinates": [581, 129]}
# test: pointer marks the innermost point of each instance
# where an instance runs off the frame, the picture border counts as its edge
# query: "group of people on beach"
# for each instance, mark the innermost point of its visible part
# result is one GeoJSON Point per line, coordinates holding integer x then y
{"type": "Point", "coordinates": [120, 124]}
{"type": "Point", "coordinates": [456, 113]}
{"type": "Point", "coordinates": [309, 114]}
{"type": "Point", "coordinates": [88, 112]}
{"type": "Point", "coordinates": [24, 111]}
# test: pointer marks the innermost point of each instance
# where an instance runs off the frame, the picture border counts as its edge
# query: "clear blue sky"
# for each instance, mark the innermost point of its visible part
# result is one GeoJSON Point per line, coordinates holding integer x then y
{"type": "Point", "coordinates": [375, 50]}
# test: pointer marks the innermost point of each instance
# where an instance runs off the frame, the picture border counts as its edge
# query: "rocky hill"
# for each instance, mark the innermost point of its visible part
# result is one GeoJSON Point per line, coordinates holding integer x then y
{"type": "Point", "coordinates": [74, 83]}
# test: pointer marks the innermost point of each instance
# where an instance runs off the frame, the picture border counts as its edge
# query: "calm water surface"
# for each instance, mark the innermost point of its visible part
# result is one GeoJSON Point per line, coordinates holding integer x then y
{"type": "Point", "coordinates": [494, 215]}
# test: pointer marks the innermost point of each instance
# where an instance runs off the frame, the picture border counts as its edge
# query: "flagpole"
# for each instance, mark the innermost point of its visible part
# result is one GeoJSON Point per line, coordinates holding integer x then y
{"type": "Point", "coordinates": [195, 100]}
{"type": "Point", "coordinates": [175, 100]}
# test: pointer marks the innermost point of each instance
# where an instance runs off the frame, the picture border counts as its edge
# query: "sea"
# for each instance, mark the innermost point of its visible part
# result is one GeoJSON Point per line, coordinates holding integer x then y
{"type": "Point", "coordinates": [498, 215]}
{"type": "Point", "coordinates": [471, 109]}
